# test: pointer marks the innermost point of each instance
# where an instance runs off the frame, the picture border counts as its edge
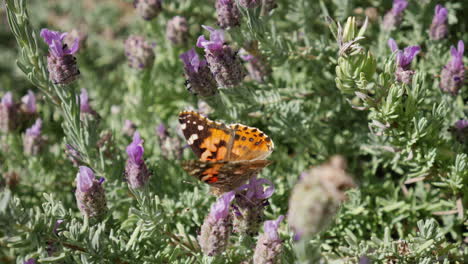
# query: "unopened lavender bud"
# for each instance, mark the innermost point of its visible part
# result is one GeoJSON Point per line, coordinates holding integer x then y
{"type": "Point", "coordinates": [269, 245]}
{"type": "Point", "coordinates": [228, 13]}
{"type": "Point", "coordinates": [129, 128]}
{"type": "Point", "coordinates": [139, 52]}
{"type": "Point", "coordinates": [148, 9]}
{"type": "Point", "coordinates": [177, 30]}
{"type": "Point", "coordinates": [403, 73]}
{"type": "Point", "coordinates": [8, 113]}
{"type": "Point", "coordinates": [439, 26]}
{"type": "Point", "coordinates": [460, 130]}
{"type": "Point", "coordinates": [257, 67]}
{"type": "Point", "coordinates": [223, 62]}
{"type": "Point", "coordinates": [316, 197]}
{"type": "Point", "coordinates": [250, 3]}
{"type": "Point", "coordinates": [28, 105]}
{"type": "Point", "coordinates": [249, 206]}
{"type": "Point", "coordinates": [200, 80]}
{"type": "Point", "coordinates": [33, 142]}
{"type": "Point", "coordinates": [137, 173]}
{"type": "Point", "coordinates": [394, 17]}
{"type": "Point", "coordinates": [216, 229]}
{"type": "Point", "coordinates": [60, 62]}
{"type": "Point", "coordinates": [452, 76]}
{"type": "Point", "coordinates": [90, 195]}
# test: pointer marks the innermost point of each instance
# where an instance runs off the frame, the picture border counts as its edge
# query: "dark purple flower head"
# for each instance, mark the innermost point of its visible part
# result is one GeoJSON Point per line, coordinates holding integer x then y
{"type": "Point", "coordinates": [453, 73]}
{"type": "Point", "coordinates": [85, 179]}
{"type": "Point", "coordinates": [271, 228]}
{"type": "Point", "coordinates": [84, 102]}
{"type": "Point", "coordinates": [255, 189]}
{"type": "Point", "coordinates": [35, 130]}
{"type": "Point", "coordinates": [405, 57]}
{"type": "Point", "coordinates": [228, 14]}
{"type": "Point", "coordinates": [29, 102]}
{"type": "Point", "coordinates": [220, 209]}
{"type": "Point", "coordinates": [55, 41]}
{"type": "Point", "coordinates": [135, 150]}
{"type": "Point", "coordinates": [191, 60]}
{"type": "Point", "coordinates": [440, 16]}
{"type": "Point", "coordinates": [216, 39]}
{"type": "Point", "coordinates": [7, 100]}
{"type": "Point", "coordinates": [461, 124]}
{"type": "Point", "coordinates": [399, 6]}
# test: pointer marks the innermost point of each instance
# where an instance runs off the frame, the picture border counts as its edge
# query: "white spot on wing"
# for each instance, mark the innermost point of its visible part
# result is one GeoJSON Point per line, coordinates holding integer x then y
{"type": "Point", "coordinates": [183, 126]}
{"type": "Point", "coordinates": [192, 138]}
{"type": "Point", "coordinates": [200, 127]}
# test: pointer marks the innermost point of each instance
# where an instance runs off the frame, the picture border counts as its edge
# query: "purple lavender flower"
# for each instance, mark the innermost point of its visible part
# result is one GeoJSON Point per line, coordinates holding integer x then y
{"type": "Point", "coordinates": [269, 244]}
{"type": "Point", "coordinates": [177, 30]}
{"type": "Point", "coordinates": [394, 17]}
{"type": "Point", "coordinates": [228, 13]}
{"type": "Point", "coordinates": [148, 9]}
{"type": "Point", "coordinates": [259, 70]}
{"type": "Point", "coordinates": [32, 140]}
{"type": "Point", "coordinates": [460, 130]}
{"type": "Point", "coordinates": [129, 128]}
{"type": "Point", "coordinates": [250, 3]}
{"type": "Point", "coordinates": [452, 76]}
{"type": "Point", "coordinates": [8, 113]}
{"type": "Point", "coordinates": [139, 52]}
{"type": "Point", "coordinates": [30, 261]}
{"type": "Point", "coordinates": [136, 171]}
{"type": "Point", "coordinates": [60, 62]}
{"type": "Point", "coordinates": [404, 58]}
{"type": "Point", "coordinates": [249, 206]}
{"type": "Point", "coordinates": [439, 26]}
{"type": "Point", "coordinates": [199, 78]}
{"type": "Point", "coordinates": [90, 195]}
{"type": "Point", "coordinates": [29, 103]}
{"type": "Point", "coordinates": [223, 62]}
{"type": "Point", "coordinates": [216, 228]}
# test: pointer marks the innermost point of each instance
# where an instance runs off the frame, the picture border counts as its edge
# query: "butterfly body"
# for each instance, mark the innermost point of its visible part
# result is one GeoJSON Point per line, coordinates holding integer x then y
{"type": "Point", "coordinates": [229, 155]}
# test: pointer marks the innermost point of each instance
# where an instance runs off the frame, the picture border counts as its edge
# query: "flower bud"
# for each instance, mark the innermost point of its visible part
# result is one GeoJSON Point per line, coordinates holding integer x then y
{"type": "Point", "coordinates": [228, 13]}
{"type": "Point", "coordinates": [223, 62]}
{"type": "Point", "coordinates": [199, 78]}
{"type": "Point", "coordinates": [139, 52]}
{"type": "Point", "coordinates": [269, 244]}
{"type": "Point", "coordinates": [316, 197]}
{"type": "Point", "coordinates": [8, 113]}
{"type": "Point", "coordinates": [148, 9]}
{"type": "Point", "coordinates": [177, 30]}
{"type": "Point", "coordinates": [136, 172]}
{"type": "Point", "coordinates": [90, 195]}
{"type": "Point", "coordinates": [394, 17]}
{"type": "Point", "coordinates": [453, 73]}
{"type": "Point", "coordinates": [60, 62]}
{"type": "Point", "coordinates": [216, 229]}
{"type": "Point", "coordinates": [439, 26]}
{"type": "Point", "coordinates": [33, 142]}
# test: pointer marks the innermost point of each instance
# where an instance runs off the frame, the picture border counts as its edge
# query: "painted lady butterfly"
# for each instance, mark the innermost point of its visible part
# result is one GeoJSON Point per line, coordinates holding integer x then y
{"type": "Point", "coordinates": [229, 155]}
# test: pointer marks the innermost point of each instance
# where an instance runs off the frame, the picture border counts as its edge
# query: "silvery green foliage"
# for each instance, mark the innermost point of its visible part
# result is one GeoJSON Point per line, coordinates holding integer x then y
{"type": "Point", "coordinates": [329, 92]}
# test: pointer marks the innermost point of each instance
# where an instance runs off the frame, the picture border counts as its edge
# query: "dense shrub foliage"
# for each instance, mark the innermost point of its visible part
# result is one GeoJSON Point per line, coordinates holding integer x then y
{"type": "Point", "coordinates": [365, 101]}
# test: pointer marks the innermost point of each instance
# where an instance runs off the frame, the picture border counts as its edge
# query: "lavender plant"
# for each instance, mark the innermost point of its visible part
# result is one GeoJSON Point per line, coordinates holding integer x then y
{"type": "Point", "coordinates": [365, 102]}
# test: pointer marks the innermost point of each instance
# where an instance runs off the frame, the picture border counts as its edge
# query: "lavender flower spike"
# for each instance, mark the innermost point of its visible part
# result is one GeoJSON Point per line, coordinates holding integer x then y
{"type": "Point", "coordinates": [33, 141]}
{"type": "Point", "coordinates": [30, 261]}
{"type": "Point", "coordinates": [228, 13]}
{"type": "Point", "coordinates": [29, 103]}
{"type": "Point", "coordinates": [250, 202]}
{"type": "Point", "coordinates": [222, 61]}
{"type": "Point", "coordinates": [60, 62]}
{"type": "Point", "coordinates": [8, 113]}
{"type": "Point", "coordinates": [139, 52]}
{"type": "Point", "coordinates": [148, 9]}
{"type": "Point", "coordinates": [136, 171]}
{"type": "Point", "coordinates": [90, 195]}
{"type": "Point", "coordinates": [177, 30]}
{"type": "Point", "coordinates": [269, 244]}
{"type": "Point", "coordinates": [394, 17]}
{"type": "Point", "coordinates": [216, 228]}
{"type": "Point", "coordinates": [452, 76]}
{"type": "Point", "coordinates": [199, 78]}
{"type": "Point", "coordinates": [404, 58]}
{"type": "Point", "coordinates": [258, 68]}
{"type": "Point", "coordinates": [439, 26]}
